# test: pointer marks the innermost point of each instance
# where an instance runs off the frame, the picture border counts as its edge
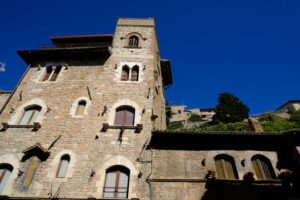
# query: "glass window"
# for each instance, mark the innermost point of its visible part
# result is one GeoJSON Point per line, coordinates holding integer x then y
{"type": "Point", "coordinates": [63, 166]}
{"type": "Point", "coordinates": [133, 41]}
{"type": "Point", "coordinates": [55, 74]}
{"type": "Point", "coordinates": [116, 183]}
{"type": "Point", "coordinates": [225, 167]}
{"type": "Point", "coordinates": [48, 73]}
{"type": "Point", "coordinates": [30, 115]}
{"type": "Point", "coordinates": [179, 111]}
{"type": "Point", "coordinates": [125, 116]}
{"type": "Point", "coordinates": [5, 172]}
{"type": "Point", "coordinates": [263, 167]}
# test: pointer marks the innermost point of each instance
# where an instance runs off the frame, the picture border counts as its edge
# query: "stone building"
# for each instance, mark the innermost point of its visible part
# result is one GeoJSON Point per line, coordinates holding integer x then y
{"type": "Point", "coordinates": [87, 121]}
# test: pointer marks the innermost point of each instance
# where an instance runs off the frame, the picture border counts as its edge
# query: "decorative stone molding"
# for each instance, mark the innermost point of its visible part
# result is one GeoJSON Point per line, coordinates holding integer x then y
{"type": "Point", "coordinates": [75, 106]}
{"type": "Point", "coordinates": [116, 161]}
{"type": "Point", "coordinates": [20, 110]}
{"type": "Point", "coordinates": [14, 162]}
{"type": "Point", "coordinates": [118, 72]}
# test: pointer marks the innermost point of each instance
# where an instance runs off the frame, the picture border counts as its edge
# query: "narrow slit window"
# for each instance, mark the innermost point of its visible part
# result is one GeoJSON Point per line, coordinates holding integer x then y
{"type": "Point", "coordinates": [125, 116]}
{"type": "Point", "coordinates": [263, 168]}
{"type": "Point", "coordinates": [135, 73]}
{"type": "Point", "coordinates": [30, 115]}
{"type": "Point", "coordinates": [81, 107]}
{"type": "Point", "coordinates": [48, 73]}
{"type": "Point", "coordinates": [125, 73]}
{"type": "Point", "coordinates": [225, 167]}
{"type": "Point", "coordinates": [63, 166]}
{"type": "Point", "coordinates": [116, 183]}
{"type": "Point", "coordinates": [55, 74]}
{"type": "Point", "coordinates": [133, 41]}
{"type": "Point", "coordinates": [5, 172]}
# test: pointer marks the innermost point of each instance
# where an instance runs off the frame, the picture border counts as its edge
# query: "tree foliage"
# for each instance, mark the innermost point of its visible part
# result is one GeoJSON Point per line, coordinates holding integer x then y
{"type": "Point", "coordinates": [273, 123]}
{"type": "Point", "coordinates": [230, 109]}
{"type": "Point", "coordinates": [168, 112]}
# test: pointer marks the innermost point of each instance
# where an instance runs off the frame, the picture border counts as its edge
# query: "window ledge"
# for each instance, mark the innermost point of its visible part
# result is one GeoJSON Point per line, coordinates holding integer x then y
{"type": "Point", "coordinates": [36, 126]}
{"type": "Point", "coordinates": [128, 47]}
{"type": "Point", "coordinates": [137, 128]}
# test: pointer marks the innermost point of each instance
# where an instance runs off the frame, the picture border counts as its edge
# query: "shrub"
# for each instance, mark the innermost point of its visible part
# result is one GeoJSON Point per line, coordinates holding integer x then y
{"type": "Point", "coordinates": [175, 125]}
{"type": "Point", "coordinates": [195, 118]}
{"type": "Point", "coordinates": [295, 116]}
{"type": "Point", "coordinates": [273, 123]}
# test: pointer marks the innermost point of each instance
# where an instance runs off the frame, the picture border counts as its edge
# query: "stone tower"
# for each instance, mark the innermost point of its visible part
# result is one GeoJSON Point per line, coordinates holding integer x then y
{"type": "Point", "coordinates": [78, 123]}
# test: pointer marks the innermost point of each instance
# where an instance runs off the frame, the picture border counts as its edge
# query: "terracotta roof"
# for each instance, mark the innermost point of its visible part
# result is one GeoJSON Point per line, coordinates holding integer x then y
{"type": "Point", "coordinates": [60, 38]}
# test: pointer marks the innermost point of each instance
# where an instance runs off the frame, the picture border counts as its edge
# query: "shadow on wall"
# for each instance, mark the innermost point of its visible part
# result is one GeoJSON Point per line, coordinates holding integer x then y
{"type": "Point", "coordinates": [245, 192]}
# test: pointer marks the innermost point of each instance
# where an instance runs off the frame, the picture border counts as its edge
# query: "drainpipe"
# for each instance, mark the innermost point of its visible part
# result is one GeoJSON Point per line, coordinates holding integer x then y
{"type": "Point", "coordinates": [16, 87]}
{"type": "Point", "coordinates": [147, 179]}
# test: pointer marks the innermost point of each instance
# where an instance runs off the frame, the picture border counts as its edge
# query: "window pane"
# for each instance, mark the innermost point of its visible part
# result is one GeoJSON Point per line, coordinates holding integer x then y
{"type": "Point", "coordinates": [125, 74]}
{"type": "Point", "coordinates": [123, 185]}
{"type": "Point", "coordinates": [63, 168]}
{"type": "Point", "coordinates": [35, 115]}
{"type": "Point", "coordinates": [135, 74]}
{"type": "Point", "coordinates": [130, 117]}
{"type": "Point", "coordinates": [219, 168]}
{"type": "Point", "coordinates": [110, 184]}
{"type": "Point", "coordinates": [119, 117]}
{"type": "Point", "coordinates": [26, 117]}
{"type": "Point", "coordinates": [229, 169]}
{"type": "Point", "coordinates": [80, 108]}
{"type": "Point", "coordinates": [256, 169]}
{"type": "Point", "coordinates": [5, 173]}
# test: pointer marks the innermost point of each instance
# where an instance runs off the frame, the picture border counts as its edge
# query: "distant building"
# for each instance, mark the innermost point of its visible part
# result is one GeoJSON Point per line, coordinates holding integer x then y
{"type": "Point", "coordinates": [290, 105]}
{"type": "Point", "coordinates": [179, 113]}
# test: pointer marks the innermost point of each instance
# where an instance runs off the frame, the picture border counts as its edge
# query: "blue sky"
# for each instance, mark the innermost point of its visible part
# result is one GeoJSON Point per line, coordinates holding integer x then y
{"type": "Point", "coordinates": [250, 48]}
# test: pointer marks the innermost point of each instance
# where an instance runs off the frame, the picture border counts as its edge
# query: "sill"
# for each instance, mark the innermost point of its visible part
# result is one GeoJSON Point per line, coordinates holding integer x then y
{"type": "Point", "coordinates": [35, 127]}
{"type": "Point", "coordinates": [137, 128]}
{"type": "Point", "coordinates": [129, 47]}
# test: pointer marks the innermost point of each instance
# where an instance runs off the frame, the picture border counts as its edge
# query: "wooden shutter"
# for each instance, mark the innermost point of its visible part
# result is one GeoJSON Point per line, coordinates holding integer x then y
{"type": "Point", "coordinates": [129, 117]}
{"type": "Point", "coordinates": [125, 74]}
{"type": "Point", "coordinates": [119, 117]}
{"type": "Point", "coordinates": [135, 74]}
{"type": "Point", "coordinates": [257, 170]}
{"type": "Point", "coordinates": [263, 168]}
{"type": "Point", "coordinates": [229, 169]}
{"type": "Point", "coordinates": [30, 115]}
{"type": "Point", "coordinates": [29, 174]}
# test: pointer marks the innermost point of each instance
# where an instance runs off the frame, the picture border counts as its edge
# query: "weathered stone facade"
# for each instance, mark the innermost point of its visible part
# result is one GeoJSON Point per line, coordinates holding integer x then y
{"type": "Point", "coordinates": [161, 165]}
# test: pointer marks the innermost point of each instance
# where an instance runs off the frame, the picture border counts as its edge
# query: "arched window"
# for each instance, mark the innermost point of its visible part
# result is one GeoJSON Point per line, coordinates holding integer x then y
{"type": "Point", "coordinates": [81, 107]}
{"type": "Point", "coordinates": [135, 73]}
{"type": "Point", "coordinates": [125, 116]}
{"type": "Point", "coordinates": [125, 73]}
{"type": "Point", "coordinates": [30, 115]}
{"type": "Point", "coordinates": [116, 182]}
{"type": "Point", "coordinates": [262, 167]}
{"type": "Point", "coordinates": [48, 73]}
{"type": "Point", "coordinates": [55, 74]}
{"type": "Point", "coordinates": [5, 172]}
{"type": "Point", "coordinates": [133, 41]}
{"type": "Point", "coordinates": [63, 166]}
{"type": "Point", "coordinates": [225, 167]}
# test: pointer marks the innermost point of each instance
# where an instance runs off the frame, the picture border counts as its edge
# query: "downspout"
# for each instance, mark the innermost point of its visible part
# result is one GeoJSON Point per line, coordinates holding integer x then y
{"type": "Point", "coordinates": [147, 179]}
{"type": "Point", "coordinates": [16, 87]}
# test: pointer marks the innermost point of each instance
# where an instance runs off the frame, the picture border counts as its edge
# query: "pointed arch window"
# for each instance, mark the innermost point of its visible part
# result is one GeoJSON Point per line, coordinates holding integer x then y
{"type": "Point", "coordinates": [135, 73]}
{"type": "Point", "coordinates": [81, 107]}
{"type": "Point", "coordinates": [116, 182]}
{"type": "Point", "coordinates": [5, 172]}
{"type": "Point", "coordinates": [125, 73]}
{"type": "Point", "coordinates": [125, 116]}
{"type": "Point", "coordinates": [63, 166]}
{"type": "Point", "coordinates": [49, 70]}
{"type": "Point", "coordinates": [225, 167]}
{"type": "Point", "coordinates": [262, 167]}
{"type": "Point", "coordinates": [30, 115]}
{"type": "Point", "coordinates": [133, 41]}
{"type": "Point", "coordinates": [55, 74]}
